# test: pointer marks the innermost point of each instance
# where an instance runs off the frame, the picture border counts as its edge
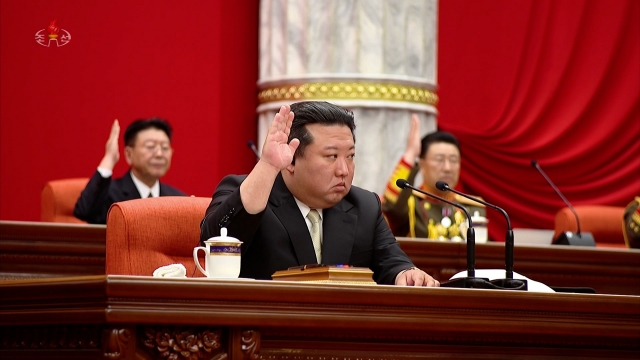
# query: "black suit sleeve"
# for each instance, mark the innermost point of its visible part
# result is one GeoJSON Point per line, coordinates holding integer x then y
{"type": "Point", "coordinates": [387, 259]}
{"type": "Point", "coordinates": [226, 210]}
{"type": "Point", "coordinates": [93, 204]}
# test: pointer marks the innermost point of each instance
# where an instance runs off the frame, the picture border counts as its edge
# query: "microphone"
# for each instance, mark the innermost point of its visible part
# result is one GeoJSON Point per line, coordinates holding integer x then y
{"type": "Point", "coordinates": [466, 282]}
{"type": "Point", "coordinates": [509, 282]}
{"type": "Point", "coordinates": [567, 237]}
{"type": "Point", "coordinates": [253, 148]}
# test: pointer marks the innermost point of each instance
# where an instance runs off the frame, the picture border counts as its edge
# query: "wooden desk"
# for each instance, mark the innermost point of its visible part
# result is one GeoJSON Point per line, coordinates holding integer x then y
{"type": "Point", "coordinates": [608, 271]}
{"type": "Point", "coordinates": [121, 317]}
{"type": "Point", "coordinates": [39, 250]}
{"type": "Point", "coordinates": [42, 250]}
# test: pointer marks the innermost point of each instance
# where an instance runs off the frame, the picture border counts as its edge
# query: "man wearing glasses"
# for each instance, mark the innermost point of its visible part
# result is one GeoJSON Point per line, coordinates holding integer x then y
{"type": "Point", "coordinates": [148, 151]}
{"type": "Point", "coordinates": [415, 215]}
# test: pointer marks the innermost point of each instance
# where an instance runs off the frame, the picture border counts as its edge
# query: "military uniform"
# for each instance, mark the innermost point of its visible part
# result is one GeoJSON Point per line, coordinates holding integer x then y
{"type": "Point", "coordinates": [412, 214]}
{"type": "Point", "coordinates": [631, 224]}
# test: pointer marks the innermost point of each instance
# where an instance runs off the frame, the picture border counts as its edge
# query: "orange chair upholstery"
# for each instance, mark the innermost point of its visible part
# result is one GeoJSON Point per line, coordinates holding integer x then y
{"type": "Point", "coordinates": [603, 222]}
{"type": "Point", "coordinates": [58, 199]}
{"type": "Point", "coordinates": [145, 234]}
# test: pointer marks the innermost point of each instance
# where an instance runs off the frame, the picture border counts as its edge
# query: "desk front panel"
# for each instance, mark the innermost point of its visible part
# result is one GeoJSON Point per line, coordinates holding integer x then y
{"type": "Point", "coordinates": [108, 316]}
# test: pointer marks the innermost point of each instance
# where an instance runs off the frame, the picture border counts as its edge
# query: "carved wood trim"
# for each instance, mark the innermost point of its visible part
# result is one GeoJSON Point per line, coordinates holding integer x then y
{"type": "Point", "coordinates": [250, 344]}
{"type": "Point", "coordinates": [117, 344]}
{"type": "Point", "coordinates": [279, 335]}
{"type": "Point", "coordinates": [50, 337]}
{"type": "Point", "coordinates": [179, 342]}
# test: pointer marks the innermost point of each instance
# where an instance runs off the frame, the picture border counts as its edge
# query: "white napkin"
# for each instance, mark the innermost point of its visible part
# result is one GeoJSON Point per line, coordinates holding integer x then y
{"type": "Point", "coordinates": [173, 270]}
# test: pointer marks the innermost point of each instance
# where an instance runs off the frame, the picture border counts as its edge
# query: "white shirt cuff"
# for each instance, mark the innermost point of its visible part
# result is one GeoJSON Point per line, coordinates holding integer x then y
{"type": "Point", "coordinates": [105, 173]}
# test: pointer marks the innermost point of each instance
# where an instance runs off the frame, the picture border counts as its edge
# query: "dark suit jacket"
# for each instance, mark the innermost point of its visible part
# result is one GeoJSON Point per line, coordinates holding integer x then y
{"type": "Point", "coordinates": [354, 232]}
{"type": "Point", "coordinates": [101, 193]}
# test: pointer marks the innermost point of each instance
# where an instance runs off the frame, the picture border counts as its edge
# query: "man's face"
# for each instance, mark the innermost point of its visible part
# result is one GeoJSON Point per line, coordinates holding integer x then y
{"type": "Point", "coordinates": [441, 163]}
{"type": "Point", "coordinates": [322, 176]}
{"type": "Point", "coordinates": [150, 156]}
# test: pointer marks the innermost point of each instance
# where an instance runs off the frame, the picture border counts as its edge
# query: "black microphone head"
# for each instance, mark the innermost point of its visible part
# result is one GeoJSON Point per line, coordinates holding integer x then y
{"type": "Point", "coordinates": [402, 183]}
{"type": "Point", "coordinates": [442, 186]}
{"type": "Point", "coordinates": [250, 143]}
{"type": "Point", "coordinates": [534, 163]}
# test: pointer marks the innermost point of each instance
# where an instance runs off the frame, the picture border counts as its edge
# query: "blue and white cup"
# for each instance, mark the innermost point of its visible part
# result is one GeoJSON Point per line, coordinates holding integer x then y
{"type": "Point", "coordinates": [222, 256]}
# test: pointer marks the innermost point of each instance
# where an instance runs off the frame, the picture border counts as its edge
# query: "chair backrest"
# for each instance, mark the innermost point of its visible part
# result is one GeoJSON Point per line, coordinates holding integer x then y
{"type": "Point", "coordinates": [145, 234]}
{"type": "Point", "coordinates": [58, 199]}
{"type": "Point", "coordinates": [603, 222]}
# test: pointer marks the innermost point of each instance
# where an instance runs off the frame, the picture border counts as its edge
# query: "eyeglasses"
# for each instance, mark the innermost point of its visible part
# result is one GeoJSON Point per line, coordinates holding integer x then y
{"type": "Point", "coordinates": [440, 160]}
{"type": "Point", "coordinates": [152, 147]}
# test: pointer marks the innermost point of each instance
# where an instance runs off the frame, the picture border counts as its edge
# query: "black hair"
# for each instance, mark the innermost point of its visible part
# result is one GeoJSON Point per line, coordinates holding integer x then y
{"type": "Point", "coordinates": [317, 112]}
{"type": "Point", "coordinates": [143, 124]}
{"type": "Point", "coordinates": [438, 137]}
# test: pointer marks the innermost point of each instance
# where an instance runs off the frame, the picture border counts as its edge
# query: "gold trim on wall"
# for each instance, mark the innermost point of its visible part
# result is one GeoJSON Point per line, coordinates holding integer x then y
{"type": "Point", "coordinates": [348, 91]}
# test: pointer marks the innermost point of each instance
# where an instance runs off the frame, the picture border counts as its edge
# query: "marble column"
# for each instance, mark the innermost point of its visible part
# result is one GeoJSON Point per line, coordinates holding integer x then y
{"type": "Point", "coordinates": [374, 57]}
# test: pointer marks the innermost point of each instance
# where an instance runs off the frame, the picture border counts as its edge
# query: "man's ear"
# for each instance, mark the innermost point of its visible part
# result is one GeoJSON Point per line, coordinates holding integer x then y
{"type": "Point", "coordinates": [291, 167]}
{"type": "Point", "coordinates": [128, 154]}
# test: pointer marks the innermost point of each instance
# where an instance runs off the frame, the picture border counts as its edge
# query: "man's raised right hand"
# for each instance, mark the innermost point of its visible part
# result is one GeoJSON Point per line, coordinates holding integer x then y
{"type": "Point", "coordinates": [112, 150]}
{"type": "Point", "coordinates": [276, 152]}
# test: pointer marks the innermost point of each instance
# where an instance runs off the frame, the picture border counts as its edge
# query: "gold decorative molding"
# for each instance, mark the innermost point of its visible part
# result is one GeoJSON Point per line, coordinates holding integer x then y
{"type": "Point", "coordinates": [348, 91]}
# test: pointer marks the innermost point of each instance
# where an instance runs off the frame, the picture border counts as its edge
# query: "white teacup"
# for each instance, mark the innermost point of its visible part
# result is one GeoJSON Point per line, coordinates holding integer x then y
{"type": "Point", "coordinates": [222, 256]}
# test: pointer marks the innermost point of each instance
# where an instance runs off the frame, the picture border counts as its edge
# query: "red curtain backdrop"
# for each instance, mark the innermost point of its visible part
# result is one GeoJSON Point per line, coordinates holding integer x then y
{"type": "Point", "coordinates": [192, 62]}
{"type": "Point", "coordinates": [555, 81]}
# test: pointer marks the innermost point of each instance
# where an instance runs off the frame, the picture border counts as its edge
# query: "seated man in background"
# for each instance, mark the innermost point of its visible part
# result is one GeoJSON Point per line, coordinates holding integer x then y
{"type": "Point", "coordinates": [148, 151]}
{"type": "Point", "coordinates": [631, 224]}
{"type": "Point", "coordinates": [297, 206]}
{"type": "Point", "coordinates": [417, 215]}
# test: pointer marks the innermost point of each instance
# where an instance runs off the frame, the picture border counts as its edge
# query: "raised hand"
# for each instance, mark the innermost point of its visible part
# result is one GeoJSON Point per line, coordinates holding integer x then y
{"type": "Point", "coordinates": [276, 156]}
{"type": "Point", "coordinates": [276, 152]}
{"type": "Point", "coordinates": [414, 143]}
{"type": "Point", "coordinates": [112, 150]}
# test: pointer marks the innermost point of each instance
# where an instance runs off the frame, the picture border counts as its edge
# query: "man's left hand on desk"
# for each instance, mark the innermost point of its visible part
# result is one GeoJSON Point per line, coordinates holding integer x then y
{"type": "Point", "coordinates": [415, 277]}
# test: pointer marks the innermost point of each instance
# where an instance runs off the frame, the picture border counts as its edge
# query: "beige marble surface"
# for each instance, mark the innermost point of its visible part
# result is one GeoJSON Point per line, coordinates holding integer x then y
{"type": "Point", "coordinates": [382, 41]}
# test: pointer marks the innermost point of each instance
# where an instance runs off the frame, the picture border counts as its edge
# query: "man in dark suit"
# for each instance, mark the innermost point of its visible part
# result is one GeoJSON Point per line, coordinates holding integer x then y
{"type": "Point", "coordinates": [297, 206]}
{"type": "Point", "coordinates": [148, 151]}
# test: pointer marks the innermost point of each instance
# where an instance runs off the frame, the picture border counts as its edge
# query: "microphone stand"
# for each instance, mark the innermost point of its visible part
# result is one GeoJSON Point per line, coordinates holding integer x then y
{"type": "Point", "coordinates": [470, 281]}
{"type": "Point", "coordinates": [253, 148]}
{"type": "Point", "coordinates": [567, 238]}
{"type": "Point", "coordinates": [509, 282]}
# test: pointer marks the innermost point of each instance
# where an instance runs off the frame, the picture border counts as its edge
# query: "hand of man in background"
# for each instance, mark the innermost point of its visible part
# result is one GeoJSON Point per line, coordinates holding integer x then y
{"type": "Point", "coordinates": [112, 151]}
{"type": "Point", "coordinates": [414, 142]}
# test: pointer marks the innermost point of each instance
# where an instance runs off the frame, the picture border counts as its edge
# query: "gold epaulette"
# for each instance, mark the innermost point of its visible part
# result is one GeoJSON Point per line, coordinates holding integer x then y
{"type": "Point", "coordinates": [401, 171]}
{"type": "Point", "coordinates": [464, 201]}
